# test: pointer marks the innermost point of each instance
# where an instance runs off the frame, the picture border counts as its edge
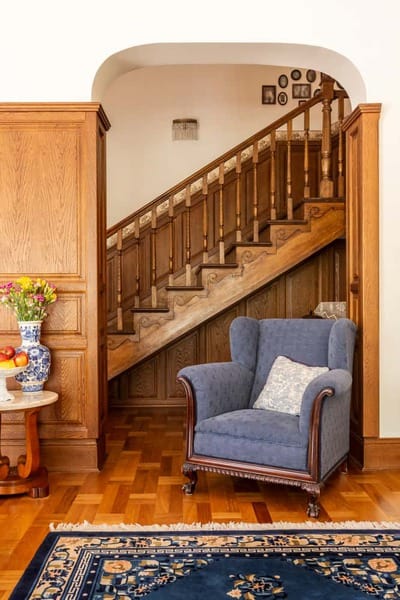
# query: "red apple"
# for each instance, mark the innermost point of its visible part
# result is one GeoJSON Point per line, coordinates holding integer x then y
{"type": "Point", "coordinates": [3, 356]}
{"type": "Point", "coordinates": [21, 359]}
{"type": "Point", "coordinates": [9, 351]}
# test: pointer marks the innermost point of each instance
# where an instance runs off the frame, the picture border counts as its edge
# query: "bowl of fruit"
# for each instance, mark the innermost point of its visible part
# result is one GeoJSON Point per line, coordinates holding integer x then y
{"type": "Point", "coordinates": [12, 362]}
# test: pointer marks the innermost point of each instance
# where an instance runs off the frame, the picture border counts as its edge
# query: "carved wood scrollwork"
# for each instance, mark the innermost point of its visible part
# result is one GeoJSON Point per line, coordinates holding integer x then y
{"type": "Point", "coordinates": [308, 486]}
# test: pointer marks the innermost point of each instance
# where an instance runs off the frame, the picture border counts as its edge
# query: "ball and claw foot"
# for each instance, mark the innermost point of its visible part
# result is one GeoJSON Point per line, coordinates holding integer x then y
{"type": "Point", "coordinates": [313, 506]}
{"type": "Point", "coordinates": [189, 487]}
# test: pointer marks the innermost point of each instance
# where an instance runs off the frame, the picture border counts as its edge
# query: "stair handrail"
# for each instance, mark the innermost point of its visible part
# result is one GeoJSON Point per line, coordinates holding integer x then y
{"type": "Point", "coordinates": [181, 194]}
{"type": "Point", "coordinates": [299, 110]}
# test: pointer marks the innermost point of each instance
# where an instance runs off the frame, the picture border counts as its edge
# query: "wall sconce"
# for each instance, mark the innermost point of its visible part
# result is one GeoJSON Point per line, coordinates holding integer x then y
{"type": "Point", "coordinates": [185, 129]}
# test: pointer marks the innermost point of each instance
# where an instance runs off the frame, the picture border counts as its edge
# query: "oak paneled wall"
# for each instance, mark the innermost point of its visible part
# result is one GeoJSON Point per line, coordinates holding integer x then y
{"type": "Point", "coordinates": [53, 225]}
{"type": "Point", "coordinates": [294, 294]}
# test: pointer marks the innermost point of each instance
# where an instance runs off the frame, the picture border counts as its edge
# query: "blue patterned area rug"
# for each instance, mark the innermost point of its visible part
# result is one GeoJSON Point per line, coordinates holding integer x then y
{"type": "Point", "coordinates": [232, 562]}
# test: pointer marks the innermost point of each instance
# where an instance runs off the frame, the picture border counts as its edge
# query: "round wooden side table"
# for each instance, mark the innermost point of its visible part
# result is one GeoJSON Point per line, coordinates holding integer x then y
{"type": "Point", "coordinates": [27, 476]}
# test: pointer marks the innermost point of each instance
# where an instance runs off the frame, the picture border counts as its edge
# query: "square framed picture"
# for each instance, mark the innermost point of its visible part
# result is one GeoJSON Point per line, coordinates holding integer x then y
{"type": "Point", "coordinates": [301, 90]}
{"type": "Point", "coordinates": [268, 94]}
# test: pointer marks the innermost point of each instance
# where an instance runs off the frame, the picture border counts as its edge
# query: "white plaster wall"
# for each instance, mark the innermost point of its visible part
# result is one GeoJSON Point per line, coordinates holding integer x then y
{"type": "Point", "coordinates": [51, 51]}
{"type": "Point", "coordinates": [144, 161]}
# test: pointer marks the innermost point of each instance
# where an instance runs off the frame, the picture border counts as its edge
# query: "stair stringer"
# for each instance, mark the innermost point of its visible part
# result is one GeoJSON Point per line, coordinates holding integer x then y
{"type": "Point", "coordinates": [291, 245]}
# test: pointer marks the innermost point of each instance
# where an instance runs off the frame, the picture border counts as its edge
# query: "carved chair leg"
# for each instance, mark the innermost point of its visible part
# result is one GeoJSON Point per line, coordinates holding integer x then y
{"type": "Point", "coordinates": [189, 487]}
{"type": "Point", "coordinates": [313, 504]}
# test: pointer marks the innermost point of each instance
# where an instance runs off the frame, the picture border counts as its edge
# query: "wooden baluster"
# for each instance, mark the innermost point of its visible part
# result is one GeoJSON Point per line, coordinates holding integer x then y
{"type": "Point", "coordinates": [205, 218]}
{"type": "Point", "coordinates": [306, 191]}
{"type": "Point", "coordinates": [255, 193]}
{"type": "Point", "coordinates": [153, 252]}
{"type": "Point", "coordinates": [340, 191]}
{"type": "Point", "coordinates": [188, 267]}
{"type": "Point", "coordinates": [120, 324]}
{"type": "Point", "coordinates": [136, 301]}
{"type": "Point", "coordinates": [326, 183]}
{"type": "Point", "coordinates": [289, 206]}
{"type": "Point", "coordinates": [272, 176]}
{"type": "Point", "coordinates": [221, 241]}
{"type": "Point", "coordinates": [238, 197]}
{"type": "Point", "coordinates": [171, 241]}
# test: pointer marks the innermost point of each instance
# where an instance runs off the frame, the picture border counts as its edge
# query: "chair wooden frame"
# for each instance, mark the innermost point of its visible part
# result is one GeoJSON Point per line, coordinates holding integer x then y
{"type": "Point", "coordinates": [308, 480]}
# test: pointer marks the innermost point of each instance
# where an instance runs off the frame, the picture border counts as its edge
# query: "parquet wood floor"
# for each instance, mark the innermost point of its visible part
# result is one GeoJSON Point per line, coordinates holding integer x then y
{"type": "Point", "coordinates": [141, 483]}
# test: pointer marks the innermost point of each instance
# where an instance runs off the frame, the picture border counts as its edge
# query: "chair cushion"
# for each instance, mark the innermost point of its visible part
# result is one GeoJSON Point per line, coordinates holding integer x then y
{"type": "Point", "coordinates": [261, 437]}
{"type": "Point", "coordinates": [286, 384]}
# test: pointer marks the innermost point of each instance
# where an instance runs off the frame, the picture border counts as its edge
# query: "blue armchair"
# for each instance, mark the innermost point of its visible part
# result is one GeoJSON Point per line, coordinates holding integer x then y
{"type": "Point", "coordinates": [280, 410]}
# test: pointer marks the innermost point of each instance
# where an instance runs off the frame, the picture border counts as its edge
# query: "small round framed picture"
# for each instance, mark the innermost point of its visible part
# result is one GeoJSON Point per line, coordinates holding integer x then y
{"type": "Point", "coordinates": [282, 98]}
{"type": "Point", "coordinates": [311, 75]}
{"type": "Point", "coordinates": [295, 74]}
{"type": "Point", "coordinates": [283, 80]}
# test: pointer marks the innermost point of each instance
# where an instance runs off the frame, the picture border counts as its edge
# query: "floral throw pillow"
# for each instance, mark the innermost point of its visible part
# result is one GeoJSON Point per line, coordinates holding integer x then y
{"type": "Point", "coordinates": [285, 386]}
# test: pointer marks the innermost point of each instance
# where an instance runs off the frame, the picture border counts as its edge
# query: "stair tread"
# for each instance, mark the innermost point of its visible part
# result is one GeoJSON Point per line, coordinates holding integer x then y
{"type": "Point", "coordinates": [285, 222]}
{"type": "Point", "coordinates": [217, 265]}
{"type": "Point", "coordinates": [250, 243]}
{"type": "Point", "coordinates": [212, 265]}
{"type": "Point", "coordinates": [324, 200]}
{"type": "Point", "coordinates": [111, 331]}
{"type": "Point", "coordinates": [150, 309]}
{"type": "Point", "coordinates": [182, 288]}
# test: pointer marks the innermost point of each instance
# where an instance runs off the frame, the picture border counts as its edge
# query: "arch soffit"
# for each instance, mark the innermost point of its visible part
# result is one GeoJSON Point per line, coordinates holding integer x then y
{"type": "Point", "coordinates": [297, 55]}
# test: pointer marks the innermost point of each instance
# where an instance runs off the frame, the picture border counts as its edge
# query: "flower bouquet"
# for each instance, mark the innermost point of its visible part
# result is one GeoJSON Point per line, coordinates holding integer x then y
{"type": "Point", "coordinates": [28, 298]}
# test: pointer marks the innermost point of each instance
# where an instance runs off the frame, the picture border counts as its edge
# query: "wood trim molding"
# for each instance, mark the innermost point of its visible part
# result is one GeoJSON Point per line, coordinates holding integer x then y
{"type": "Point", "coordinates": [362, 221]}
{"type": "Point", "coordinates": [373, 108]}
{"type": "Point", "coordinates": [381, 453]}
{"type": "Point", "coordinates": [23, 107]}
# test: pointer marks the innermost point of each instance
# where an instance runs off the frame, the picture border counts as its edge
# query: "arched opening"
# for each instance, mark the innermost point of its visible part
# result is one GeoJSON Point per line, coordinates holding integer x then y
{"type": "Point", "coordinates": [306, 56]}
{"type": "Point", "coordinates": [159, 56]}
{"type": "Point", "coordinates": [144, 87]}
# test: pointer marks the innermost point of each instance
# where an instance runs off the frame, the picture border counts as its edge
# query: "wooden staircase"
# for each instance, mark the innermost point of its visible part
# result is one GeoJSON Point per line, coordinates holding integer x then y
{"type": "Point", "coordinates": [219, 288]}
{"type": "Point", "coordinates": [232, 227]}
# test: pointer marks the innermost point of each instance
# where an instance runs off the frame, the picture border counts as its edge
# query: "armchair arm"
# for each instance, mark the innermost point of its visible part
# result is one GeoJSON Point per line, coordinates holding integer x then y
{"type": "Point", "coordinates": [328, 429]}
{"type": "Point", "coordinates": [218, 387]}
{"type": "Point", "coordinates": [338, 380]}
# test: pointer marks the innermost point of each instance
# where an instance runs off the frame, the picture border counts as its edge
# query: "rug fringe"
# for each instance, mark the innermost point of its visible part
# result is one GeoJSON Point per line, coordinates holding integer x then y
{"type": "Point", "coordinates": [214, 526]}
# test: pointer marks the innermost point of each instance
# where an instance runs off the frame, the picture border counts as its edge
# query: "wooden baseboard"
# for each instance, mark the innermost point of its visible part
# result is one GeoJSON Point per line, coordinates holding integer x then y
{"type": "Point", "coordinates": [70, 455]}
{"type": "Point", "coordinates": [381, 453]}
{"type": "Point", "coordinates": [78, 455]}
{"type": "Point", "coordinates": [375, 453]}
{"type": "Point", "coordinates": [147, 402]}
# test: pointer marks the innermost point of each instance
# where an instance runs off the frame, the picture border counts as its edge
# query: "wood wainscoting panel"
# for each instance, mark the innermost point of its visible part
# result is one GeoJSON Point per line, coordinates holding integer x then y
{"type": "Point", "coordinates": [144, 386]}
{"type": "Point", "coordinates": [305, 277]}
{"type": "Point", "coordinates": [67, 378]}
{"type": "Point", "coordinates": [268, 303]}
{"type": "Point", "coordinates": [179, 355]}
{"type": "Point", "coordinates": [217, 334]}
{"type": "Point", "coordinates": [40, 176]}
{"type": "Point", "coordinates": [68, 319]}
{"type": "Point", "coordinates": [52, 196]}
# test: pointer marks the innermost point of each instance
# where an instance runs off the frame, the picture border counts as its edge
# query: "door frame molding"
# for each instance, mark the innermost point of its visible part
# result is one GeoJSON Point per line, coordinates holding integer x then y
{"type": "Point", "coordinates": [362, 267]}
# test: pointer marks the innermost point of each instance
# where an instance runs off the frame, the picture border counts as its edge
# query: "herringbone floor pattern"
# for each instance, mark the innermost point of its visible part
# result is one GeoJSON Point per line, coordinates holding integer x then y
{"type": "Point", "coordinates": [141, 482]}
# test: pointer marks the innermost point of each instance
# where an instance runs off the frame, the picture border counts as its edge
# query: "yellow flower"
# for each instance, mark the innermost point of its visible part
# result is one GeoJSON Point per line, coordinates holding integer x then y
{"type": "Point", "coordinates": [28, 298]}
{"type": "Point", "coordinates": [25, 282]}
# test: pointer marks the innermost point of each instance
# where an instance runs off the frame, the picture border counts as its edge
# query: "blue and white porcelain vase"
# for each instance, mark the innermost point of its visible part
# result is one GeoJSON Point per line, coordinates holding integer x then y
{"type": "Point", "coordinates": [32, 379]}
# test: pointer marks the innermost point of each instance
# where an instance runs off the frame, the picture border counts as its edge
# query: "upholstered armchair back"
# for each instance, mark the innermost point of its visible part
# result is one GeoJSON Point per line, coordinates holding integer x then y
{"type": "Point", "coordinates": [318, 342]}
